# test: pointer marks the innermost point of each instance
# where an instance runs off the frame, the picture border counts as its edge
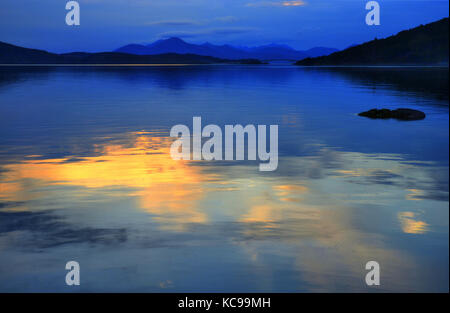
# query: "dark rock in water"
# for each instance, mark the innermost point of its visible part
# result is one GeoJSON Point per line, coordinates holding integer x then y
{"type": "Point", "coordinates": [399, 114]}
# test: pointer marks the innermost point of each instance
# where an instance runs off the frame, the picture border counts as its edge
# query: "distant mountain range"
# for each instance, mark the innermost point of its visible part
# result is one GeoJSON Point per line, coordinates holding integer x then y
{"type": "Point", "coordinates": [423, 45]}
{"type": "Point", "coordinates": [265, 53]}
{"type": "Point", "coordinates": [11, 54]}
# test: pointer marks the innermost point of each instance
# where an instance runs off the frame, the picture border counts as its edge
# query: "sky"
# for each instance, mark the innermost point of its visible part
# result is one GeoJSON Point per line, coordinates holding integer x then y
{"type": "Point", "coordinates": [106, 25]}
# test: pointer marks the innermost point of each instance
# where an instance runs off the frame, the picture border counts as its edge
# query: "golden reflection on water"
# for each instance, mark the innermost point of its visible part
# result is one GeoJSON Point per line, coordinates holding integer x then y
{"type": "Point", "coordinates": [172, 190]}
{"type": "Point", "coordinates": [164, 186]}
{"type": "Point", "coordinates": [415, 195]}
{"type": "Point", "coordinates": [176, 193]}
{"type": "Point", "coordinates": [142, 167]}
{"type": "Point", "coordinates": [410, 224]}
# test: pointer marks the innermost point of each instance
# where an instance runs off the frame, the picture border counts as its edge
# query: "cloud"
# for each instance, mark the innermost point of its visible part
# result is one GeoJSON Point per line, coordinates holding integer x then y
{"type": "Point", "coordinates": [174, 23]}
{"type": "Point", "coordinates": [211, 31]}
{"type": "Point", "coordinates": [188, 22]}
{"type": "Point", "coordinates": [226, 19]}
{"type": "Point", "coordinates": [294, 3]}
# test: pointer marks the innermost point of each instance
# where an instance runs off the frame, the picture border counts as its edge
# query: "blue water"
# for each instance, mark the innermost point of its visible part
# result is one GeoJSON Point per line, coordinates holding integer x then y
{"type": "Point", "coordinates": [86, 175]}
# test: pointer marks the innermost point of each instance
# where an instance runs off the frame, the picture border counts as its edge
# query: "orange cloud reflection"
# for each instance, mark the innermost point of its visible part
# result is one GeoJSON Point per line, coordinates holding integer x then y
{"type": "Point", "coordinates": [410, 225]}
{"type": "Point", "coordinates": [165, 187]}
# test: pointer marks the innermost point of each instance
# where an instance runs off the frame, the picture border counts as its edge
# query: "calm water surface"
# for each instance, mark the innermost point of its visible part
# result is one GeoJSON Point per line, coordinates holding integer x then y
{"type": "Point", "coordinates": [86, 175]}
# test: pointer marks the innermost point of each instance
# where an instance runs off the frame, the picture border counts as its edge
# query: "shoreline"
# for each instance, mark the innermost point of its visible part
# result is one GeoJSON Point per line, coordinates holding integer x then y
{"type": "Point", "coordinates": [218, 64]}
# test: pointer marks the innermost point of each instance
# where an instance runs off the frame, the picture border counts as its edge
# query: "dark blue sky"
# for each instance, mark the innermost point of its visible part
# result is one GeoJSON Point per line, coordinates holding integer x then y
{"type": "Point", "coordinates": [108, 24]}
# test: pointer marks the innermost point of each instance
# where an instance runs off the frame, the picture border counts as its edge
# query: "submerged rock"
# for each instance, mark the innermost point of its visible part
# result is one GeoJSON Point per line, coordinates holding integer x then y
{"type": "Point", "coordinates": [399, 114]}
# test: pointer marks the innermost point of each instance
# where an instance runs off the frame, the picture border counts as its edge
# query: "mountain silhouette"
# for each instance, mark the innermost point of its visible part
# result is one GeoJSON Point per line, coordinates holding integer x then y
{"type": "Point", "coordinates": [266, 52]}
{"type": "Point", "coordinates": [11, 54]}
{"type": "Point", "coordinates": [422, 45]}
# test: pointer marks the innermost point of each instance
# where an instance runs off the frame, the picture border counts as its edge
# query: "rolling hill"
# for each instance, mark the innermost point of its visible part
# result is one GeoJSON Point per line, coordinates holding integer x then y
{"type": "Point", "coordinates": [11, 54]}
{"type": "Point", "coordinates": [422, 45]}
